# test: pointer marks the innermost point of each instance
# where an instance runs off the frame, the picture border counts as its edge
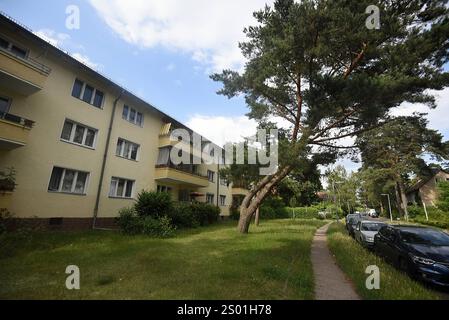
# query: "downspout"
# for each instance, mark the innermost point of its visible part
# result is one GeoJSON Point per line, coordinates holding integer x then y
{"type": "Point", "coordinates": [218, 183]}
{"type": "Point", "coordinates": [103, 164]}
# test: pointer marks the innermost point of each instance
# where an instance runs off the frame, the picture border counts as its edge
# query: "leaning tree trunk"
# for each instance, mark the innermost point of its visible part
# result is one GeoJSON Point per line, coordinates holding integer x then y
{"type": "Point", "coordinates": [257, 216]}
{"type": "Point", "coordinates": [255, 197]}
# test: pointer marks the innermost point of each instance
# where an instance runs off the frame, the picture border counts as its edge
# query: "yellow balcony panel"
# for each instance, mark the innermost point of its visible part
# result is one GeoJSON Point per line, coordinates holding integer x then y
{"type": "Point", "coordinates": [21, 75]}
{"type": "Point", "coordinates": [14, 131]}
{"type": "Point", "coordinates": [5, 199]}
{"type": "Point", "coordinates": [174, 176]}
{"type": "Point", "coordinates": [239, 191]}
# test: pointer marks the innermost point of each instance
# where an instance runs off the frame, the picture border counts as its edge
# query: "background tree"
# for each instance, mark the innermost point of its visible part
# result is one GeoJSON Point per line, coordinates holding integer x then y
{"type": "Point", "coordinates": [396, 150]}
{"type": "Point", "coordinates": [317, 66]}
{"type": "Point", "coordinates": [343, 188]}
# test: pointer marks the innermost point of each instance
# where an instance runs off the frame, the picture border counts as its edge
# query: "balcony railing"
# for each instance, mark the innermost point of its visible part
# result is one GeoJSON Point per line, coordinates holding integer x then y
{"type": "Point", "coordinates": [184, 168]}
{"type": "Point", "coordinates": [16, 119]}
{"type": "Point", "coordinates": [28, 60]}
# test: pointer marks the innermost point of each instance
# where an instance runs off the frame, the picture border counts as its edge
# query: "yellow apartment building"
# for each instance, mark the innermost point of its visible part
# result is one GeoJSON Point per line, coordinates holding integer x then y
{"type": "Point", "coordinates": [82, 147]}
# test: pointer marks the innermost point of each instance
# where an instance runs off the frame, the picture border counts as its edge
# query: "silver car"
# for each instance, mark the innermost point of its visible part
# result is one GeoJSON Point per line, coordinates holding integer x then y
{"type": "Point", "coordinates": [365, 231]}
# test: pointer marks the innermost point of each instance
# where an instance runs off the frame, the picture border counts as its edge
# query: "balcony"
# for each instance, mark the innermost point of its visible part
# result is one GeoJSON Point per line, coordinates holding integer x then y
{"type": "Point", "coordinates": [180, 175]}
{"type": "Point", "coordinates": [238, 191]}
{"type": "Point", "coordinates": [14, 131]}
{"type": "Point", "coordinates": [21, 75]}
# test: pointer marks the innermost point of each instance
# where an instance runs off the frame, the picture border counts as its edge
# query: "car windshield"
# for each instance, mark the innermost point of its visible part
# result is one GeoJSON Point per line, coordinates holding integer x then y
{"type": "Point", "coordinates": [371, 226]}
{"type": "Point", "coordinates": [426, 237]}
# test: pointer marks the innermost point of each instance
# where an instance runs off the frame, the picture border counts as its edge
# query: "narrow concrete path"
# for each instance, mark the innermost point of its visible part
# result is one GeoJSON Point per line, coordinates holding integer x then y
{"type": "Point", "coordinates": [330, 282]}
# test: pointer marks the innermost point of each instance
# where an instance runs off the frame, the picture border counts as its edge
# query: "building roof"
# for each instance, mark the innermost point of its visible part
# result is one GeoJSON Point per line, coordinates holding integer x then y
{"type": "Point", "coordinates": [418, 185]}
{"type": "Point", "coordinates": [17, 26]}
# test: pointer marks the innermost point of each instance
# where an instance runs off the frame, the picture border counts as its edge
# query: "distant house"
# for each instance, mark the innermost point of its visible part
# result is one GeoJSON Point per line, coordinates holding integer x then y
{"type": "Point", "coordinates": [426, 189]}
{"type": "Point", "coordinates": [323, 195]}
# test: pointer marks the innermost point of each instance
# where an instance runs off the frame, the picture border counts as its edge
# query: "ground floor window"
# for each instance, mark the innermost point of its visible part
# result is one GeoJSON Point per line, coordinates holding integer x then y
{"type": "Point", "coordinates": [222, 200]}
{"type": "Point", "coordinates": [163, 189]}
{"type": "Point", "coordinates": [121, 188]}
{"type": "Point", "coordinates": [68, 181]}
{"type": "Point", "coordinates": [210, 198]}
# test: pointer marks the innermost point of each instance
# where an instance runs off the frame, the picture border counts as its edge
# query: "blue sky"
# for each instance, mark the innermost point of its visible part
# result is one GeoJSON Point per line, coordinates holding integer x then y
{"type": "Point", "coordinates": [164, 52]}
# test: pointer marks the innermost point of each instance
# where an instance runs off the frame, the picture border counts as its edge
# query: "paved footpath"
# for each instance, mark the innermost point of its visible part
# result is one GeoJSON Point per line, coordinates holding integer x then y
{"type": "Point", "coordinates": [330, 282]}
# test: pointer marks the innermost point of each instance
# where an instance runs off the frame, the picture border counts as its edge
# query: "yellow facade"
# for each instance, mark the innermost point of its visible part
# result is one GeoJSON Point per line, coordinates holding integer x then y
{"type": "Point", "coordinates": [40, 147]}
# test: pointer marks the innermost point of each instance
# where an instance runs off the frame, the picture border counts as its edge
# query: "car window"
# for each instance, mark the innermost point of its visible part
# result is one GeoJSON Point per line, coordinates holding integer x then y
{"type": "Point", "coordinates": [425, 237]}
{"type": "Point", "coordinates": [371, 226]}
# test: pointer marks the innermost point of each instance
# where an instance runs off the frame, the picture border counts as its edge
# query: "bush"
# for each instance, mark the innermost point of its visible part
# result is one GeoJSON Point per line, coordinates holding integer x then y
{"type": "Point", "coordinates": [183, 216]}
{"type": "Point", "coordinates": [303, 212]}
{"type": "Point", "coordinates": [234, 214]}
{"type": "Point", "coordinates": [160, 227]}
{"type": "Point", "coordinates": [205, 213]}
{"type": "Point", "coordinates": [129, 222]}
{"type": "Point", "coordinates": [153, 204]}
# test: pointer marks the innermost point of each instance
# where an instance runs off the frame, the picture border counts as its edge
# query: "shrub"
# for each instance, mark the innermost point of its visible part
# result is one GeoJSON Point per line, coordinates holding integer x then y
{"type": "Point", "coordinates": [129, 222]}
{"type": "Point", "coordinates": [205, 213]}
{"type": "Point", "coordinates": [303, 212]}
{"type": "Point", "coordinates": [183, 216]}
{"type": "Point", "coordinates": [153, 204]}
{"type": "Point", "coordinates": [160, 227]}
{"type": "Point", "coordinates": [234, 214]}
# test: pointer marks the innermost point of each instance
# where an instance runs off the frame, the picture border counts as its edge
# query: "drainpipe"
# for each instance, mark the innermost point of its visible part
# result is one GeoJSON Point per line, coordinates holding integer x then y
{"type": "Point", "coordinates": [218, 183]}
{"type": "Point", "coordinates": [103, 164]}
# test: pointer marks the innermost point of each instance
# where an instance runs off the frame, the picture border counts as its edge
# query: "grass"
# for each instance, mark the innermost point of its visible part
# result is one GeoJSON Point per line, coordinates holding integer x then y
{"type": "Point", "coordinates": [353, 260]}
{"type": "Point", "coordinates": [273, 262]}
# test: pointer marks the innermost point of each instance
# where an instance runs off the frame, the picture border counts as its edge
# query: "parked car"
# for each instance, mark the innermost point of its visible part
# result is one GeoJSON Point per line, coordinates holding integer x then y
{"type": "Point", "coordinates": [372, 213]}
{"type": "Point", "coordinates": [422, 252]}
{"type": "Point", "coordinates": [351, 222]}
{"type": "Point", "coordinates": [365, 231]}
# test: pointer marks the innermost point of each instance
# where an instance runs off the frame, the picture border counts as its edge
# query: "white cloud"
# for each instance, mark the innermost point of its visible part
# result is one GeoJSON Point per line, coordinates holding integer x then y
{"type": "Point", "coordinates": [223, 129]}
{"type": "Point", "coordinates": [438, 117]}
{"type": "Point", "coordinates": [207, 30]}
{"type": "Point", "coordinates": [55, 38]}
{"type": "Point", "coordinates": [170, 67]}
{"type": "Point", "coordinates": [86, 60]}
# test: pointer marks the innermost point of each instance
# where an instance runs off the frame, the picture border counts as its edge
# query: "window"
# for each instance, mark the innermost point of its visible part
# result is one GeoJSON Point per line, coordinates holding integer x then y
{"type": "Point", "coordinates": [77, 88]}
{"type": "Point", "coordinates": [127, 149]}
{"type": "Point", "coordinates": [14, 49]}
{"type": "Point", "coordinates": [22, 53]}
{"type": "Point", "coordinates": [132, 115]}
{"type": "Point", "coordinates": [68, 181]}
{"type": "Point", "coordinates": [87, 93]}
{"type": "Point", "coordinates": [163, 189]}
{"type": "Point", "coordinates": [210, 175]}
{"type": "Point", "coordinates": [4, 105]}
{"type": "Point", "coordinates": [79, 134]}
{"type": "Point", "coordinates": [222, 200]}
{"type": "Point", "coordinates": [121, 188]}
{"type": "Point", "coordinates": [210, 198]}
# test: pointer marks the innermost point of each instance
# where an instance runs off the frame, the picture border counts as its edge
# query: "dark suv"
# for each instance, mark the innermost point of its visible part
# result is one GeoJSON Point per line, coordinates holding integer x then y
{"type": "Point", "coordinates": [420, 251]}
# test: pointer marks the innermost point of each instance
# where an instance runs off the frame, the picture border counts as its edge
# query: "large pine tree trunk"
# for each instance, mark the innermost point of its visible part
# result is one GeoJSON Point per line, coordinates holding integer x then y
{"type": "Point", "coordinates": [255, 197]}
{"type": "Point", "coordinates": [403, 199]}
{"type": "Point", "coordinates": [398, 199]}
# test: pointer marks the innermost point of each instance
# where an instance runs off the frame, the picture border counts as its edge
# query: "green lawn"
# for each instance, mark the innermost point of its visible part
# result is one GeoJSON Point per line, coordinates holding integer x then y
{"type": "Point", "coordinates": [353, 260]}
{"type": "Point", "coordinates": [273, 262]}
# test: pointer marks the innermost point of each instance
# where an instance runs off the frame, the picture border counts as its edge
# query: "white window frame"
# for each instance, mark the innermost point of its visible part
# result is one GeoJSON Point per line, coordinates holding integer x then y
{"type": "Point", "coordinates": [75, 179]}
{"type": "Point", "coordinates": [72, 134]}
{"type": "Point", "coordinates": [122, 150]}
{"type": "Point", "coordinates": [83, 88]}
{"type": "Point", "coordinates": [127, 118]}
{"type": "Point", "coordinates": [210, 196]}
{"type": "Point", "coordinates": [117, 179]}
{"type": "Point", "coordinates": [222, 203]}
{"type": "Point", "coordinates": [211, 176]}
